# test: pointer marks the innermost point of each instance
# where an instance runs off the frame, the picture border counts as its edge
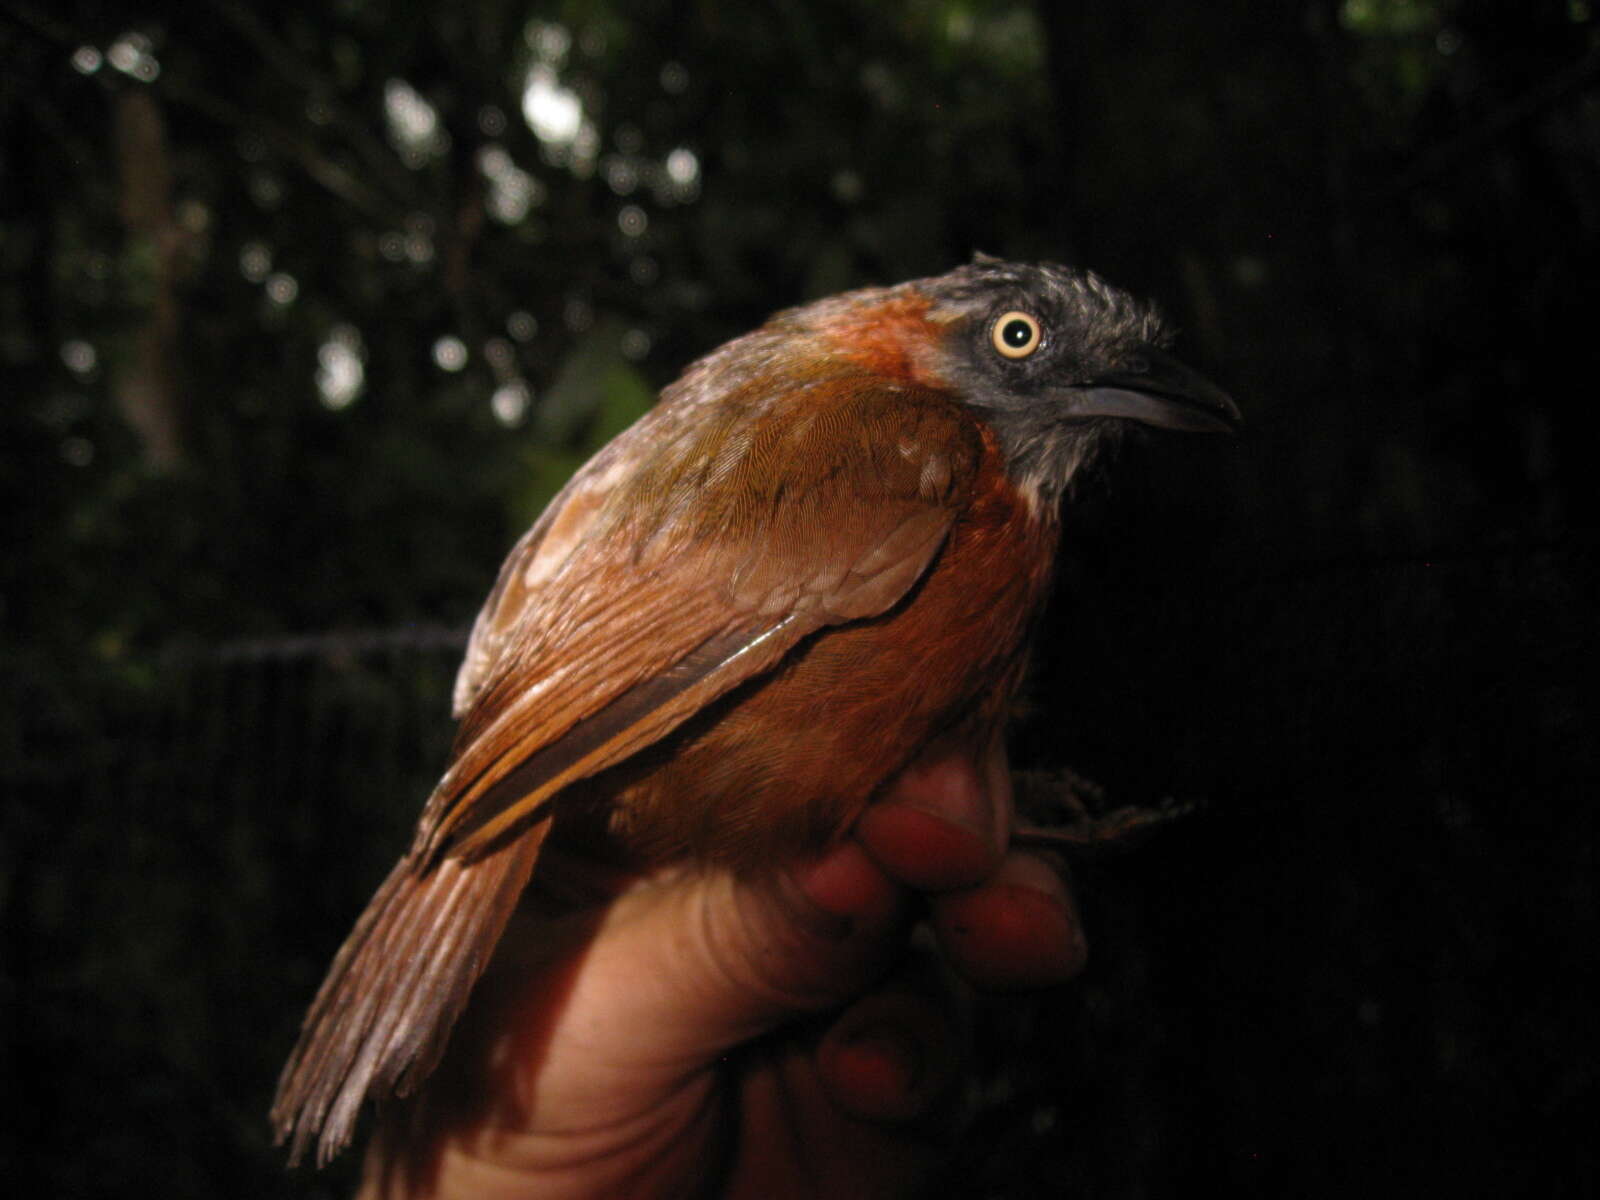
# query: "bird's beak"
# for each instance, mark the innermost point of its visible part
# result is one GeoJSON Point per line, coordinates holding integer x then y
{"type": "Point", "coordinates": [1158, 390]}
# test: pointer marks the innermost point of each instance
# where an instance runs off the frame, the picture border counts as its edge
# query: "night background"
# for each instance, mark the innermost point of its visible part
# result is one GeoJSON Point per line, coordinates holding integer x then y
{"type": "Point", "coordinates": [306, 310]}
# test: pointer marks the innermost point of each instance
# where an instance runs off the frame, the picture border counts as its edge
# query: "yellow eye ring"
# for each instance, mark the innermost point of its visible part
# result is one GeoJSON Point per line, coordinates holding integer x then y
{"type": "Point", "coordinates": [1016, 334]}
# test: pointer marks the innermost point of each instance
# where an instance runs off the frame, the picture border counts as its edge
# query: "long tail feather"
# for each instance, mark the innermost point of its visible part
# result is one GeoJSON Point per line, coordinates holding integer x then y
{"type": "Point", "coordinates": [382, 1017]}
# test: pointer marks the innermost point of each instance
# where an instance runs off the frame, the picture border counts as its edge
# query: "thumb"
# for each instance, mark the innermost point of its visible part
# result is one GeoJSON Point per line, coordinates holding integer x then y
{"type": "Point", "coordinates": [711, 960]}
{"type": "Point", "coordinates": [676, 968]}
{"type": "Point", "coordinates": [597, 1018]}
{"type": "Point", "coordinates": [721, 959]}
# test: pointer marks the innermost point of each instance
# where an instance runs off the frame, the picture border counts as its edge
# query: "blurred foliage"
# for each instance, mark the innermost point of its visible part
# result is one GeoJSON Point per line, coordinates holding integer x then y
{"type": "Point", "coordinates": [1395, 199]}
{"type": "Point", "coordinates": [305, 310]}
{"type": "Point", "coordinates": [358, 186]}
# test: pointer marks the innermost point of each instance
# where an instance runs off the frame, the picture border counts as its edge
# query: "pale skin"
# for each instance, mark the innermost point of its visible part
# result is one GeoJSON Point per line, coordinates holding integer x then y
{"type": "Point", "coordinates": [697, 1035]}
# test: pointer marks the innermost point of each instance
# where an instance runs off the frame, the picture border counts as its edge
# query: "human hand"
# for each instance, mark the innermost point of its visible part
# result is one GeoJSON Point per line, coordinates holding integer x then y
{"type": "Point", "coordinates": [700, 1034]}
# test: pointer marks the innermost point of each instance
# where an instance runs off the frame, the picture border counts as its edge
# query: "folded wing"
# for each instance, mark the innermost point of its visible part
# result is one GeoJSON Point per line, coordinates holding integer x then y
{"type": "Point", "coordinates": [691, 554]}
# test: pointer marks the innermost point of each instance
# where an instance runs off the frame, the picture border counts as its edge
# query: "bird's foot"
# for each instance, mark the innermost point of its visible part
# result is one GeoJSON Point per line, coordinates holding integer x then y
{"type": "Point", "coordinates": [1061, 810]}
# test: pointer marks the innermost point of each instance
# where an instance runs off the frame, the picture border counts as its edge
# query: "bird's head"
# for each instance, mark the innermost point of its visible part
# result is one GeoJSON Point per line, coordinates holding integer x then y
{"type": "Point", "coordinates": [1054, 358]}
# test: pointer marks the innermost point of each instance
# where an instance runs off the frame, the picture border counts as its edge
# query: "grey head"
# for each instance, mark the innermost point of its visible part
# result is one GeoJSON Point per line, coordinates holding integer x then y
{"type": "Point", "coordinates": [1058, 361]}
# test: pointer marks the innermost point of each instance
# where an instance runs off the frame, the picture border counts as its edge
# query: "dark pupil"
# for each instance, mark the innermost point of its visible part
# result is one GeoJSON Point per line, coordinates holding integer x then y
{"type": "Point", "coordinates": [1017, 334]}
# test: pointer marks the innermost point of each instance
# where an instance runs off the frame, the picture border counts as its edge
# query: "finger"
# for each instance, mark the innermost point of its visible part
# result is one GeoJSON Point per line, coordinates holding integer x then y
{"type": "Point", "coordinates": [848, 890]}
{"type": "Point", "coordinates": [894, 1055]}
{"type": "Point", "coordinates": [599, 1019]}
{"type": "Point", "coordinates": [866, 1107]}
{"type": "Point", "coordinates": [1018, 929]}
{"type": "Point", "coordinates": [943, 823]}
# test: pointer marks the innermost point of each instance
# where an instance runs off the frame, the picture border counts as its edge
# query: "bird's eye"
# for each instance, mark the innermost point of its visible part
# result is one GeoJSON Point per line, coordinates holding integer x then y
{"type": "Point", "coordinates": [1016, 335]}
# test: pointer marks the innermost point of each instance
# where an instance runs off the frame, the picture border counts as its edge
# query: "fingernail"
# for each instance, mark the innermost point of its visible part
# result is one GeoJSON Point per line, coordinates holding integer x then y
{"type": "Point", "coordinates": [844, 891]}
{"type": "Point", "coordinates": [1036, 875]}
{"type": "Point", "coordinates": [950, 789]}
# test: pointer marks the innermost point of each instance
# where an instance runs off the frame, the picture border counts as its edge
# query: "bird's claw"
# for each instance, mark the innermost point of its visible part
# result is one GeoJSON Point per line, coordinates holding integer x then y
{"type": "Point", "coordinates": [1070, 814]}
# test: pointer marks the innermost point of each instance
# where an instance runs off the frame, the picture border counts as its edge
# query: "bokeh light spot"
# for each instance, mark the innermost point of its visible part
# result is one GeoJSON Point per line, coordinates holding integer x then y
{"type": "Point", "coordinates": [510, 400]}
{"type": "Point", "coordinates": [512, 191]}
{"type": "Point", "coordinates": [548, 39]}
{"type": "Point", "coordinates": [578, 314]}
{"type": "Point", "coordinates": [553, 112]}
{"type": "Point", "coordinates": [341, 372]}
{"type": "Point", "coordinates": [449, 353]}
{"type": "Point", "coordinates": [491, 120]}
{"type": "Point", "coordinates": [635, 344]}
{"type": "Point", "coordinates": [621, 176]}
{"type": "Point", "coordinates": [282, 288]}
{"type": "Point", "coordinates": [255, 261]}
{"type": "Point", "coordinates": [414, 125]}
{"type": "Point", "coordinates": [683, 166]}
{"type": "Point", "coordinates": [633, 220]}
{"type": "Point", "coordinates": [644, 270]}
{"type": "Point", "coordinates": [674, 78]}
{"type": "Point", "coordinates": [79, 356]}
{"type": "Point", "coordinates": [502, 355]}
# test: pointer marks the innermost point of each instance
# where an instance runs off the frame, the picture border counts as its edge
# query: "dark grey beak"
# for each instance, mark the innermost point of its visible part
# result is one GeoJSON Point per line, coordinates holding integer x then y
{"type": "Point", "coordinates": [1158, 390]}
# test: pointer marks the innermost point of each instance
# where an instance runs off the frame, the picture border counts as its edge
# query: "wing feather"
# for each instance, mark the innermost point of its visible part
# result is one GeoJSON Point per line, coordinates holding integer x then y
{"type": "Point", "coordinates": [395, 989]}
{"type": "Point", "coordinates": [693, 553]}
{"type": "Point", "coordinates": [805, 514]}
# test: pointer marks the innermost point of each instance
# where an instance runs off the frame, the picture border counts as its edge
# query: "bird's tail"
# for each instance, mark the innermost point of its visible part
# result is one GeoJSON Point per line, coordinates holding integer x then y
{"type": "Point", "coordinates": [382, 1017]}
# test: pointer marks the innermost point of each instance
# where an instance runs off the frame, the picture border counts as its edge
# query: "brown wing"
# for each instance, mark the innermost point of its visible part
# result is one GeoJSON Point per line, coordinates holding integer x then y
{"type": "Point", "coordinates": [691, 554]}
{"type": "Point", "coordinates": [382, 1015]}
{"type": "Point", "coordinates": [644, 598]}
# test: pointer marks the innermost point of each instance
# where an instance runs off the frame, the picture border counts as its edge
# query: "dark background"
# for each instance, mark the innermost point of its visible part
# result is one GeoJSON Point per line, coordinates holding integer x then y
{"type": "Point", "coordinates": [301, 321]}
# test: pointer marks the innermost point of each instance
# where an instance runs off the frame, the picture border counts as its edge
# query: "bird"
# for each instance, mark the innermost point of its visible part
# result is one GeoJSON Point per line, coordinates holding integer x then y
{"type": "Point", "coordinates": [825, 546]}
